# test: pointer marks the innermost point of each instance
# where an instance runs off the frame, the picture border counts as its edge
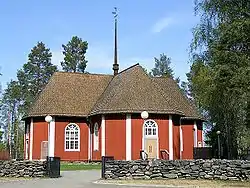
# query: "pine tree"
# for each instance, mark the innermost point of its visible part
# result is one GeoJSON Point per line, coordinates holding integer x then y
{"type": "Point", "coordinates": [162, 67]}
{"type": "Point", "coordinates": [35, 74]}
{"type": "Point", "coordinates": [10, 115]}
{"type": "Point", "coordinates": [74, 55]}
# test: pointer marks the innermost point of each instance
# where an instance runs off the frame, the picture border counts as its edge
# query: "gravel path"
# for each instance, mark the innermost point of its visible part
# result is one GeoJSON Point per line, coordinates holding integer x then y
{"type": "Point", "coordinates": [70, 179]}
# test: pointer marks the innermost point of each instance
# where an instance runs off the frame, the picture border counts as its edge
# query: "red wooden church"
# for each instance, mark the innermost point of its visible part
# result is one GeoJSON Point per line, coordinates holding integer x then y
{"type": "Point", "coordinates": [93, 115]}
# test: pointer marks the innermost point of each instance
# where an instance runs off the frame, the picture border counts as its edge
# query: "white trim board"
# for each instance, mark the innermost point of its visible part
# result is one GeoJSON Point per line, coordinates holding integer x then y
{"type": "Point", "coordinates": [170, 137]}
{"type": "Point", "coordinates": [128, 137]}
{"type": "Point", "coordinates": [195, 134]}
{"type": "Point", "coordinates": [31, 138]}
{"type": "Point", "coordinates": [52, 127]}
{"type": "Point", "coordinates": [103, 128]}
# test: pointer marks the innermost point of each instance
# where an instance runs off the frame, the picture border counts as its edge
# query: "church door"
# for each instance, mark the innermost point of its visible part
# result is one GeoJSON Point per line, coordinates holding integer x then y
{"type": "Point", "coordinates": [151, 138]}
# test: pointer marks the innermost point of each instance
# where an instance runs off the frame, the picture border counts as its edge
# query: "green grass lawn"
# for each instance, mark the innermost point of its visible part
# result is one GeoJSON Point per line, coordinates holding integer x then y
{"type": "Point", "coordinates": [79, 166]}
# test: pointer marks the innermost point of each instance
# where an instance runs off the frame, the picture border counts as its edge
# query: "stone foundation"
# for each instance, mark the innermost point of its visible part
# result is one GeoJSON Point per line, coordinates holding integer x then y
{"type": "Point", "coordinates": [22, 168]}
{"type": "Point", "coordinates": [184, 169]}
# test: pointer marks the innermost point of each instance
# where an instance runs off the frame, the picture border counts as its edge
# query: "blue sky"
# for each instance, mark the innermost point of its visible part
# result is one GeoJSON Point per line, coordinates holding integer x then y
{"type": "Point", "coordinates": [146, 29]}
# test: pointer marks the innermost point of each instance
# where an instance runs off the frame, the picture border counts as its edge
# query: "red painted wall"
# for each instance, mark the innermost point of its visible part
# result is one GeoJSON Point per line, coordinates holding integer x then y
{"type": "Point", "coordinates": [96, 155]}
{"type": "Point", "coordinates": [115, 128]}
{"type": "Point", "coordinates": [199, 136]}
{"type": "Point", "coordinates": [115, 137]}
{"type": "Point", "coordinates": [40, 133]}
{"type": "Point", "coordinates": [81, 155]}
{"type": "Point", "coordinates": [188, 141]}
{"type": "Point", "coordinates": [163, 131]}
{"type": "Point", "coordinates": [137, 131]}
{"type": "Point", "coordinates": [136, 134]}
{"type": "Point", "coordinates": [176, 139]}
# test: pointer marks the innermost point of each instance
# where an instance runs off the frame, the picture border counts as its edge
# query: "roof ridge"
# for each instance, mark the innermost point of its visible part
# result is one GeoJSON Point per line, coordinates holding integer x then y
{"type": "Point", "coordinates": [97, 74]}
{"type": "Point", "coordinates": [128, 68]}
{"type": "Point", "coordinates": [161, 92]}
{"type": "Point", "coordinates": [97, 101]}
{"type": "Point", "coordinates": [100, 96]}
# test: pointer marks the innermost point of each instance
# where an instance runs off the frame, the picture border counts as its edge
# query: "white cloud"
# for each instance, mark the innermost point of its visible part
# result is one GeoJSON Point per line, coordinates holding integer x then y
{"type": "Point", "coordinates": [162, 24]}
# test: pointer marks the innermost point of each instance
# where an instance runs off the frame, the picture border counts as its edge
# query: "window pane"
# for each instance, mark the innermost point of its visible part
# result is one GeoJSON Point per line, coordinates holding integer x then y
{"type": "Point", "coordinates": [146, 131]}
{"type": "Point", "coordinates": [67, 144]}
{"type": "Point", "coordinates": [71, 144]}
{"type": "Point", "coordinates": [76, 135]}
{"type": "Point", "coordinates": [72, 135]}
{"type": "Point", "coordinates": [149, 131]}
{"type": "Point", "coordinates": [76, 144]}
{"type": "Point", "coordinates": [67, 135]}
{"type": "Point", "coordinates": [154, 131]}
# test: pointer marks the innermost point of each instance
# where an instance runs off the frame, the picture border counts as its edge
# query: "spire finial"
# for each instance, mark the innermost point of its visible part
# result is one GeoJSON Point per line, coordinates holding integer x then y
{"type": "Point", "coordinates": [115, 65]}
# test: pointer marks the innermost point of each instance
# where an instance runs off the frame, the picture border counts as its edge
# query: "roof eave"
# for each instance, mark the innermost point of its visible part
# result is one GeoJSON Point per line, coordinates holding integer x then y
{"type": "Point", "coordinates": [136, 112]}
{"type": "Point", "coordinates": [193, 118]}
{"type": "Point", "coordinates": [54, 114]}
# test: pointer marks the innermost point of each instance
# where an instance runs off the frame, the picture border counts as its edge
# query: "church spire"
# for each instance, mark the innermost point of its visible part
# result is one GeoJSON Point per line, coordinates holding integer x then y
{"type": "Point", "coordinates": [115, 65]}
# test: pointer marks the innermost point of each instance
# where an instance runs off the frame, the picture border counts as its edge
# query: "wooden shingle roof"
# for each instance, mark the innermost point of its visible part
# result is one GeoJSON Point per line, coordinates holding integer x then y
{"type": "Point", "coordinates": [70, 94]}
{"type": "Point", "coordinates": [170, 86]}
{"type": "Point", "coordinates": [130, 91]}
{"type": "Point", "coordinates": [133, 91]}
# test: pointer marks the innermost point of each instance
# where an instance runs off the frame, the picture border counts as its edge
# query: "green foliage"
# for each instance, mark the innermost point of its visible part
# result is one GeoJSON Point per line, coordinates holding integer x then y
{"type": "Point", "coordinates": [162, 67]}
{"type": "Point", "coordinates": [219, 79]}
{"type": "Point", "coordinates": [145, 70]}
{"type": "Point", "coordinates": [74, 55]}
{"type": "Point", "coordinates": [1, 134]}
{"type": "Point", "coordinates": [35, 74]}
{"type": "Point", "coordinates": [10, 113]}
{"type": "Point", "coordinates": [19, 95]}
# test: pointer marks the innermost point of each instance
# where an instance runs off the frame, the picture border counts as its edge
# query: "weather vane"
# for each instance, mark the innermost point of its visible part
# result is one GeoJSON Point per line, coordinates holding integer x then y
{"type": "Point", "coordinates": [115, 12]}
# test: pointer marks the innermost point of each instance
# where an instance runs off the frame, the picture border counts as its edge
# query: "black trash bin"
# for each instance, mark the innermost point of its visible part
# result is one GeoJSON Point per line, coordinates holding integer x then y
{"type": "Point", "coordinates": [53, 167]}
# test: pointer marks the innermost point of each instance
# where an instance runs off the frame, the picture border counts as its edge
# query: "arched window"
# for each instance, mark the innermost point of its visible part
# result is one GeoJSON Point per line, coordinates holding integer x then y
{"type": "Point", "coordinates": [72, 137]}
{"type": "Point", "coordinates": [150, 128]}
{"type": "Point", "coordinates": [96, 137]}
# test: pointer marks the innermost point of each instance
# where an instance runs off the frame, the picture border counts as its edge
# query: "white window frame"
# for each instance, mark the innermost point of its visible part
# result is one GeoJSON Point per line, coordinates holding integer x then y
{"type": "Point", "coordinates": [150, 124]}
{"type": "Point", "coordinates": [74, 139]}
{"type": "Point", "coordinates": [96, 137]}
